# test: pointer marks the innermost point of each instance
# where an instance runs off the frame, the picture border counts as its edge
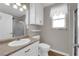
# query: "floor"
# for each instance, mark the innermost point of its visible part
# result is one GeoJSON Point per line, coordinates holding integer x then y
{"type": "Point", "coordinates": [51, 53]}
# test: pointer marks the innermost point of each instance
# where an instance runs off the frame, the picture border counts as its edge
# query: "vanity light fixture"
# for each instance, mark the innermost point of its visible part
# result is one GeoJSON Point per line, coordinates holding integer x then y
{"type": "Point", "coordinates": [15, 6]}
{"type": "Point", "coordinates": [18, 6]}
{"type": "Point", "coordinates": [24, 7]}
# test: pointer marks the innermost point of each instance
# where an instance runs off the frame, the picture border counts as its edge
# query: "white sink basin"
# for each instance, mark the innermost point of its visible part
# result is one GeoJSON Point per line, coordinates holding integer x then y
{"type": "Point", "coordinates": [19, 42]}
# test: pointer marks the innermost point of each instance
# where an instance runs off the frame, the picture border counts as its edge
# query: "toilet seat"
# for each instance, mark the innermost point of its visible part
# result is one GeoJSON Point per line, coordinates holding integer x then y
{"type": "Point", "coordinates": [43, 45]}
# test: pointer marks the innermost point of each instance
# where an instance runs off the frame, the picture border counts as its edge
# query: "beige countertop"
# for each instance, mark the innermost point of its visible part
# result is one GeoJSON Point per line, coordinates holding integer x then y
{"type": "Point", "coordinates": [6, 50]}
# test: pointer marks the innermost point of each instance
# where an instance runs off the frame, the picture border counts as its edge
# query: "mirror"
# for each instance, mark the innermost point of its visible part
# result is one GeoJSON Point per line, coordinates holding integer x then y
{"type": "Point", "coordinates": [13, 18]}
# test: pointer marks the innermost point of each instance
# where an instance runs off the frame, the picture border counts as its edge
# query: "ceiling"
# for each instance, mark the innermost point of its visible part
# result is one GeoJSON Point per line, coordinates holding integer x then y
{"type": "Point", "coordinates": [15, 12]}
{"type": "Point", "coordinates": [10, 10]}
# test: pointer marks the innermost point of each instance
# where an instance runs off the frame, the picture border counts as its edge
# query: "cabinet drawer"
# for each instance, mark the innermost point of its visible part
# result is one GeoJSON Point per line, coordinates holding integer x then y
{"type": "Point", "coordinates": [23, 52]}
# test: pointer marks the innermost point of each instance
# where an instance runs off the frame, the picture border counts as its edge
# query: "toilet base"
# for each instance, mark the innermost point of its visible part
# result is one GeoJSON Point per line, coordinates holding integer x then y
{"type": "Point", "coordinates": [43, 49]}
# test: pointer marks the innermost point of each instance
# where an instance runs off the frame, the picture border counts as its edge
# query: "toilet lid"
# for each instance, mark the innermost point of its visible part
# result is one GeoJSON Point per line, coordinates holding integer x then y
{"type": "Point", "coordinates": [44, 45]}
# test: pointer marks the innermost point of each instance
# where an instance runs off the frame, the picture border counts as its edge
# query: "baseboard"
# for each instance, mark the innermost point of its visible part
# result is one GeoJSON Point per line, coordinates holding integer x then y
{"type": "Point", "coordinates": [59, 52]}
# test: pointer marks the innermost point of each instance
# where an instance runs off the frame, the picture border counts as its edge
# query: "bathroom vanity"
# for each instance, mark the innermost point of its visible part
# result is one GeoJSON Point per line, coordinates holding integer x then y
{"type": "Point", "coordinates": [30, 49]}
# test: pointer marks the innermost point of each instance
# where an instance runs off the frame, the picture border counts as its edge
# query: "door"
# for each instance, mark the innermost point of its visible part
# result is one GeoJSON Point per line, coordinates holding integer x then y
{"type": "Point", "coordinates": [76, 38]}
{"type": "Point", "coordinates": [77, 33]}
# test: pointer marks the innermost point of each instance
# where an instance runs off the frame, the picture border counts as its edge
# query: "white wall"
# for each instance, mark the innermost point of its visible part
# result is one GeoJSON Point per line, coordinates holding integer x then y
{"type": "Point", "coordinates": [5, 25]}
{"type": "Point", "coordinates": [60, 40]}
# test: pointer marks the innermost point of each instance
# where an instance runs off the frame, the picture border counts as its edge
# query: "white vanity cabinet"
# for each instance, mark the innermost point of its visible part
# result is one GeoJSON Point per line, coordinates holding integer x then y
{"type": "Point", "coordinates": [31, 50]}
{"type": "Point", "coordinates": [36, 14]}
{"type": "Point", "coordinates": [39, 14]}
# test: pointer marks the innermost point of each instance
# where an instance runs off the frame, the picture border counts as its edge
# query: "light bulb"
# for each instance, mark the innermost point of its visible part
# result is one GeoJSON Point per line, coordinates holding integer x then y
{"type": "Point", "coordinates": [15, 6]}
{"type": "Point", "coordinates": [21, 9]}
{"type": "Point", "coordinates": [24, 7]}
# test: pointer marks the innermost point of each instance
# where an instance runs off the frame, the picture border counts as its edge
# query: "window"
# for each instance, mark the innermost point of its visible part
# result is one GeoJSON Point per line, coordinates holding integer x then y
{"type": "Point", "coordinates": [57, 15]}
{"type": "Point", "coordinates": [59, 21]}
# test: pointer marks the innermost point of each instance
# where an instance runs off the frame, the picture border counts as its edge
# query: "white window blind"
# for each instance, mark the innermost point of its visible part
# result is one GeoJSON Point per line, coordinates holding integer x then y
{"type": "Point", "coordinates": [58, 14]}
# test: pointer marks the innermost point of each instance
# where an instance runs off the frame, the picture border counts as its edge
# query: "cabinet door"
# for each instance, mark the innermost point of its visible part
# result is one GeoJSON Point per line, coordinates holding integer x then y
{"type": "Point", "coordinates": [32, 13]}
{"type": "Point", "coordinates": [39, 14]}
{"type": "Point", "coordinates": [34, 49]}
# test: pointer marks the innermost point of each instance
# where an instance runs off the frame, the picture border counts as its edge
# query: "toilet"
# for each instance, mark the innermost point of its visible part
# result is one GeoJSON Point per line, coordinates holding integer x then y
{"type": "Point", "coordinates": [43, 49]}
